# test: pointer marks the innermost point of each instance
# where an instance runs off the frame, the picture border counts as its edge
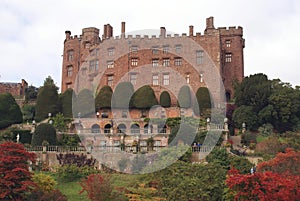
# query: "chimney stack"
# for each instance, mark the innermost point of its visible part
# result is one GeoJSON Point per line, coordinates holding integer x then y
{"type": "Point", "coordinates": [191, 30]}
{"type": "Point", "coordinates": [210, 23]}
{"type": "Point", "coordinates": [104, 36]}
{"type": "Point", "coordinates": [162, 32]}
{"type": "Point", "coordinates": [68, 35]}
{"type": "Point", "coordinates": [123, 29]}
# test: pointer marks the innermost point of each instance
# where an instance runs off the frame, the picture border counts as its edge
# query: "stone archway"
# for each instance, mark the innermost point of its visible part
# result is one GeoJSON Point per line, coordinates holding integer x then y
{"type": "Point", "coordinates": [95, 128]}
{"type": "Point", "coordinates": [135, 128]}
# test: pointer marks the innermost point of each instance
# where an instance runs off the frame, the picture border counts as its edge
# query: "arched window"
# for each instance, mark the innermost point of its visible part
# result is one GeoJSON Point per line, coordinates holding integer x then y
{"type": "Point", "coordinates": [95, 128]}
{"type": "Point", "coordinates": [148, 129]}
{"type": "Point", "coordinates": [121, 128]}
{"type": "Point", "coordinates": [135, 128]}
{"type": "Point", "coordinates": [107, 128]}
{"type": "Point", "coordinates": [162, 128]}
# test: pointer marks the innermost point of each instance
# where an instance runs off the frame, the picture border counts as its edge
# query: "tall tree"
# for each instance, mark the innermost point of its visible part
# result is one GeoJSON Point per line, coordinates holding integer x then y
{"type": "Point", "coordinates": [15, 179]}
{"type": "Point", "coordinates": [203, 98]}
{"type": "Point", "coordinates": [253, 91]}
{"type": "Point", "coordinates": [44, 132]}
{"type": "Point", "coordinates": [66, 103]}
{"type": "Point", "coordinates": [122, 95]}
{"type": "Point", "coordinates": [165, 99]}
{"type": "Point", "coordinates": [144, 98]}
{"type": "Point", "coordinates": [84, 103]}
{"type": "Point", "coordinates": [103, 98]}
{"type": "Point", "coordinates": [10, 112]}
{"type": "Point", "coordinates": [47, 100]}
{"type": "Point", "coordinates": [184, 97]}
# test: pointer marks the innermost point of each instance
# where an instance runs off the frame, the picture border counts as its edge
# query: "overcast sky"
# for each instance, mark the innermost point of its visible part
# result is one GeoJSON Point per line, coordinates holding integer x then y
{"type": "Point", "coordinates": [32, 31]}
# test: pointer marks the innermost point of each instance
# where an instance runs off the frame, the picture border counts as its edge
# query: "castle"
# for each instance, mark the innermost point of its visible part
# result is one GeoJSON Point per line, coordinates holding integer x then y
{"type": "Point", "coordinates": [165, 62]}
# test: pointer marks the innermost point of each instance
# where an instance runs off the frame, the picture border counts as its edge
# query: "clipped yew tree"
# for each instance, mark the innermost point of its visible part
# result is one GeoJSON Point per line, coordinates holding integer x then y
{"type": "Point", "coordinates": [84, 103]}
{"type": "Point", "coordinates": [103, 98]}
{"type": "Point", "coordinates": [47, 100]}
{"type": "Point", "coordinates": [44, 132]}
{"type": "Point", "coordinates": [203, 98]}
{"type": "Point", "coordinates": [122, 95]}
{"type": "Point", "coordinates": [10, 111]}
{"type": "Point", "coordinates": [66, 103]}
{"type": "Point", "coordinates": [144, 98]}
{"type": "Point", "coordinates": [165, 99]}
{"type": "Point", "coordinates": [184, 97]}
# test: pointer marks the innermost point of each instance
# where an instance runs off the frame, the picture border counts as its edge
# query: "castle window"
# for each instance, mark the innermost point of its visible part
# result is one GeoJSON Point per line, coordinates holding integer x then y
{"type": "Point", "coordinates": [133, 77]}
{"type": "Point", "coordinates": [111, 51]}
{"type": "Point", "coordinates": [69, 85]}
{"type": "Point", "coordinates": [155, 50]}
{"type": "Point", "coordinates": [70, 54]}
{"type": "Point", "coordinates": [155, 79]}
{"type": "Point", "coordinates": [92, 65]}
{"type": "Point", "coordinates": [97, 52]}
{"type": "Point", "coordinates": [166, 49]}
{"type": "Point", "coordinates": [110, 64]}
{"type": "Point", "coordinates": [187, 78]}
{"type": "Point", "coordinates": [134, 62]}
{"type": "Point", "coordinates": [166, 79]}
{"type": "Point", "coordinates": [166, 62]}
{"type": "Point", "coordinates": [199, 56]}
{"type": "Point", "coordinates": [228, 57]}
{"type": "Point", "coordinates": [87, 45]}
{"type": "Point", "coordinates": [69, 71]}
{"type": "Point", "coordinates": [96, 65]}
{"type": "Point", "coordinates": [155, 62]}
{"type": "Point", "coordinates": [134, 49]}
{"type": "Point", "coordinates": [228, 43]}
{"type": "Point", "coordinates": [177, 49]}
{"type": "Point", "coordinates": [178, 61]}
{"type": "Point", "coordinates": [110, 79]}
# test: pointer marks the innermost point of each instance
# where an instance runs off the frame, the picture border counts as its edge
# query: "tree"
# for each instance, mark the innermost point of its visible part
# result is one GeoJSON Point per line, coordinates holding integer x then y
{"type": "Point", "coordinates": [84, 103]}
{"type": "Point", "coordinates": [50, 82]}
{"type": "Point", "coordinates": [144, 98]}
{"type": "Point", "coordinates": [59, 122]}
{"type": "Point", "coordinates": [284, 163]}
{"type": "Point", "coordinates": [47, 102]}
{"type": "Point", "coordinates": [31, 93]}
{"type": "Point", "coordinates": [245, 114]}
{"type": "Point", "coordinates": [219, 156]}
{"type": "Point", "coordinates": [44, 132]}
{"type": "Point", "coordinates": [15, 179]}
{"type": "Point", "coordinates": [165, 99]}
{"type": "Point", "coordinates": [100, 188]}
{"type": "Point", "coordinates": [66, 103]}
{"type": "Point", "coordinates": [184, 97]}
{"type": "Point", "coordinates": [103, 98]}
{"type": "Point", "coordinates": [10, 112]}
{"type": "Point", "coordinates": [28, 112]}
{"type": "Point", "coordinates": [203, 98]}
{"type": "Point", "coordinates": [253, 91]}
{"type": "Point", "coordinates": [122, 95]}
{"type": "Point", "coordinates": [263, 186]}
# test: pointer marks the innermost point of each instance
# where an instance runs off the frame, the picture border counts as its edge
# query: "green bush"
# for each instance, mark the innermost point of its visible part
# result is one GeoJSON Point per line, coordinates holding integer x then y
{"type": "Point", "coordinates": [25, 136]}
{"type": "Point", "coordinates": [103, 98]}
{"type": "Point", "coordinates": [248, 138]}
{"type": "Point", "coordinates": [84, 103]}
{"type": "Point", "coordinates": [47, 102]}
{"type": "Point", "coordinates": [184, 97]}
{"type": "Point", "coordinates": [203, 98]}
{"type": "Point", "coordinates": [45, 182]}
{"type": "Point", "coordinates": [122, 95]}
{"type": "Point", "coordinates": [144, 98]}
{"type": "Point", "coordinates": [66, 103]}
{"type": "Point", "coordinates": [10, 112]}
{"type": "Point", "coordinates": [44, 132]}
{"type": "Point", "coordinates": [70, 173]}
{"type": "Point", "coordinates": [165, 99]}
{"type": "Point", "coordinates": [28, 112]}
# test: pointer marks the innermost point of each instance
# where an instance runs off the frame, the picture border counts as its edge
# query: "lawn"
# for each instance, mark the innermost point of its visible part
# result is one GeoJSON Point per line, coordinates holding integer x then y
{"type": "Point", "coordinates": [261, 138]}
{"type": "Point", "coordinates": [71, 190]}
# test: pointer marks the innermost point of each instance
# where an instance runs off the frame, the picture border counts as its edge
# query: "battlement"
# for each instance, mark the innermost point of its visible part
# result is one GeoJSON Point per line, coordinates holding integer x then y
{"type": "Point", "coordinates": [232, 30]}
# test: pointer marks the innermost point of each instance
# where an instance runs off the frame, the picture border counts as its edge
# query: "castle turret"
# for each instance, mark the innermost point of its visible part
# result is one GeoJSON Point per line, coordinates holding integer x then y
{"type": "Point", "coordinates": [191, 31]}
{"type": "Point", "coordinates": [68, 34]}
{"type": "Point", "coordinates": [162, 32]}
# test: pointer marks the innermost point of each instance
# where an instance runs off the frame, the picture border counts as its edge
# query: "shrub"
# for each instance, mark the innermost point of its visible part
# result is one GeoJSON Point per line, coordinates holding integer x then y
{"type": "Point", "coordinates": [144, 98]}
{"type": "Point", "coordinates": [265, 129]}
{"type": "Point", "coordinates": [44, 132]}
{"type": "Point", "coordinates": [122, 95]}
{"type": "Point", "coordinates": [10, 112]}
{"type": "Point", "coordinates": [66, 103]}
{"type": "Point", "coordinates": [165, 99]}
{"type": "Point", "coordinates": [248, 138]}
{"type": "Point", "coordinates": [39, 195]}
{"type": "Point", "coordinates": [47, 102]}
{"type": "Point", "coordinates": [99, 188]}
{"type": "Point", "coordinates": [69, 173]}
{"type": "Point", "coordinates": [203, 98]}
{"type": "Point", "coordinates": [103, 98]}
{"type": "Point", "coordinates": [184, 97]}
{"type": "Point", "coordinates": [74, 159]}
{"type": "Point", "coordinates": [45, 182]}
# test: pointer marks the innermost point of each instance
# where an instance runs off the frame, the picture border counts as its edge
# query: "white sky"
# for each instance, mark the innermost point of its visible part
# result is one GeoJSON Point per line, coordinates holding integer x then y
{"type": "Point", "coordinates": [32, 31]}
